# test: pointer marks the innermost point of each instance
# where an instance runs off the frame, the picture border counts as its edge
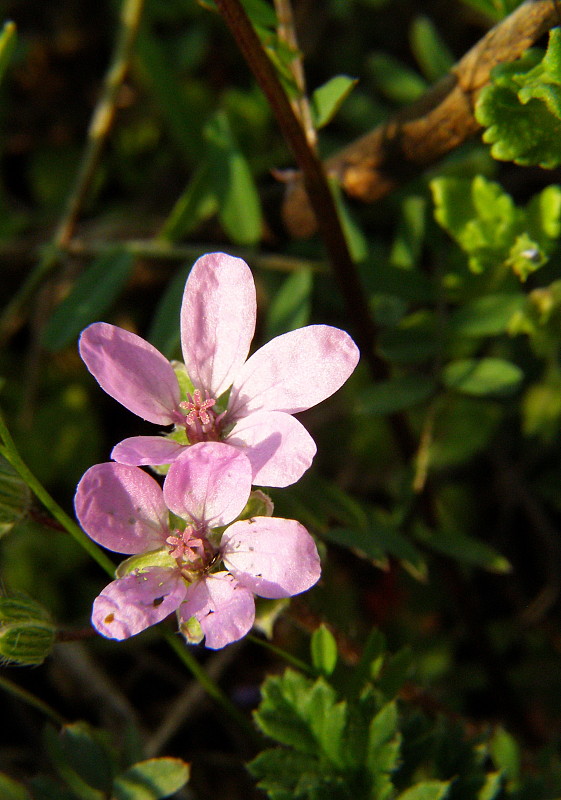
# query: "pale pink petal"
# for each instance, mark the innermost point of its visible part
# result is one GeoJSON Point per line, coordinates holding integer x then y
{"type": "Point", "coordinates": [133, 603]}
{"type": "Point", "coordinates": [225, 609]}
{"type": "Point", "coordinates": [122, 508]}
{"type": "Point", "coordinates": [217, 321]}
{"type": "Point", "coordinates": [294, 371]}
{"type": "Point", "coordinates": [132, 371]}
{"type": "Point", "coordinates": [279, 448]}
{"type": "Point", "coordinates": [273, 557]}
{"type": "Point", "coordinates": [209, 483]}
{"type": "Point", "coordinates": [146, 450]}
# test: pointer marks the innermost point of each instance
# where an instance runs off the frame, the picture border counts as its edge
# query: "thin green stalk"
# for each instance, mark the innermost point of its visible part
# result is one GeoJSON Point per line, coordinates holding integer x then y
{"type": "Point", "coordinates": [210, 687]}
{"type": "Point", "coordinates": [290, 659]}
{"type": "Point", "coordinates": [31, 700]}
{"type": "Point", "coordinates": [10, 453]}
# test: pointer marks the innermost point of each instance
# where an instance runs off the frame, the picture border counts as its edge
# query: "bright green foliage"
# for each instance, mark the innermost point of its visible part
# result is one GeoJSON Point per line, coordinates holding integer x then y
{"type": "Point", "coordinates": [493, 232]}
{"type": "Point", "coordinates": [521, 108]}
{"type": "Point", "coordinates": [483, 376]}
{"type": "Point", "coordinates": [328, 98]}
{"type": "Point", "coordinates": [431, 53]}
{"type": "Point", "coordinates": [323, 649]}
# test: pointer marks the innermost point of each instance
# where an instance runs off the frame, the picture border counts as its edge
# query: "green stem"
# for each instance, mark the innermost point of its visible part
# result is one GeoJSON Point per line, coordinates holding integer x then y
{"type": "Point", "coordinates": [30, 699]}
{"type": "Point", "coordinates": [290, 659]}
{"type": "Point", "coordinates": [10, 453]}
{"type": "Point", "coordinates": [210, 687]}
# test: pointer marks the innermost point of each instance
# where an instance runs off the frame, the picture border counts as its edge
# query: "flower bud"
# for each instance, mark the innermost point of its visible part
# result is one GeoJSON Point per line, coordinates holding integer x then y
{"type": "Point", "coordinates": [27, 633]}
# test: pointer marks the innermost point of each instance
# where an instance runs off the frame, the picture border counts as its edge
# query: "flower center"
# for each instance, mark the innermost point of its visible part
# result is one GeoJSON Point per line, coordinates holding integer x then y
{"type": "Point", "coordinates": [193, 553]}
{"type": "Point", "coordinates": [202, 424]}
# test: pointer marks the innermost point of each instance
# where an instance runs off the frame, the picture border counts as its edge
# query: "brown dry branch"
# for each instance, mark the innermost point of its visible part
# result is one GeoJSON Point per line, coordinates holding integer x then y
{"type": "Point", "coordinates": [421, 134]}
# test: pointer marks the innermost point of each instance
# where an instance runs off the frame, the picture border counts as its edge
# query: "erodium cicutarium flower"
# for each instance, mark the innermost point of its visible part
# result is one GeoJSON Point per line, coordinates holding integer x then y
{"type": "Point", "coordinates": [186, 561]}
{"type": "Point", "coordinates": [248, 404]}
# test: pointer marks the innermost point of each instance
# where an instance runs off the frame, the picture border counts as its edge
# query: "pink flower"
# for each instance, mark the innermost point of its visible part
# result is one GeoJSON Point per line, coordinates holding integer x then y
{"type": "Point", "coordinates": [289, 374]}
{"type": "Point", "coordinates": [188, 565]}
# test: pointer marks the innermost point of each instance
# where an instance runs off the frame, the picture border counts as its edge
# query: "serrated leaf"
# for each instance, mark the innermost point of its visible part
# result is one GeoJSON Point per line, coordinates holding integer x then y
{"type": "Point", "coordinates": [328, 98]}
{"type": "Point", "coordinates": [279, 770]}
{"type": "Point", "coordinates": [12, 790]}
{"type": "Point", "coordinates": [482, 377]}
{"type": "Point", "coordinates": [521, 108]}
{"type": "Point", "coordinates": [427, 790]}
{"type": "Point", "coordinates": [432, 55]}
{"type": "Point", "coordinates": [382, 757]}
{"type": "Point", "coordinates": [92, 294]}
{"type": "Point", "coordinates": [396, 394]}
{"type": "Point", "coordinates": [323, 648]}
{"type": "Point", "coordinates": [291, 305]}
{"type": "Point", "coordinates": [239, 208]}
{"type": "Point", "coordinates": [152, 779]}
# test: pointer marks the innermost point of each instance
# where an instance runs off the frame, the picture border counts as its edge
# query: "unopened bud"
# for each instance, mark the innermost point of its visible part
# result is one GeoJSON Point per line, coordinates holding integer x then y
{"type": "Point", "coordinates": [27, 633]}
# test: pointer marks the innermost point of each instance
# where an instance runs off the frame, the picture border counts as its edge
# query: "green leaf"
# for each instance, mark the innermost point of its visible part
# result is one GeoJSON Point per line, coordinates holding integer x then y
{"type": "Point", "coordinates": [396, 394]}
{"type": "Point", "coordinates": [506, 754]}
{"type": "Point", "coordinates": [483, 377]}
{"type": "Point", "coordinates": [8, 39]}
{"type": "Point", "coordinates": [323, 649]}
{"type": "Point", "coordinates": [233, 185]}
{"type": "Point", "coordinates": [382, 758]}
{"type": "Point", "coordinates": [491, 230]}
{"type": "Point", "coordinates": [12, 790]}
{"type": "Point", "coordinates": [328, 99]}
{"type": "Point", "coordinates": [291, 305]}
{"type": "Point", "coordinates": [92, 294]}
{"type": "Point", "coordinates": [15, 497]}
{"type": "Point", "coordinates": [427, 790]}
{"type": "Point", "coordinates": [164, 332]}
{"type": "Point", "coordinates": [197, 204]}
{"type": "Point", "coordinates": [494, 9]}
{"type": "Point", "coordinates": [81, 757]}
{"type": "Point", "coordinates": [464, 549]}
{"type": "Point", "coordinates": [356, 241]}
{"type": "Point", "coordinates": [394, 80]}
{"type": "Point", "coordinates": [407, 245]}
{"type": "Point", "coordinates": [492, 788]}
{"type": "Point", "coordinates": [433, 57]}
{"type": "Point", "coordinates": [521, 108]}
{"type": "Point", "coordinates": [151, 780]}
{"type": "Point", "coordinates": [487, 316]}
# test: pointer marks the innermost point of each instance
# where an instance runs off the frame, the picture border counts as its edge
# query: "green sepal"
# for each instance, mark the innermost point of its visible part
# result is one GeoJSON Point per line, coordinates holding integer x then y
{"type": "Point", "coordinates": [143, 561]}
{"type": "Point", "coordinates": [185, 383]}
{"type": "Point", "coordinates": [27, 633]}
{"type": "Point", "coordinates": [258, 505]}
{"type": "Point", "coordinates": [15, 497]}
{"type": "Point", "coordinates": [191, 630]}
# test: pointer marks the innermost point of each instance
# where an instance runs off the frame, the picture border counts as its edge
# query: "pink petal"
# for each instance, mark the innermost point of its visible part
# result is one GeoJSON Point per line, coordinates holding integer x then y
{"type": "Point", "coordinates": [209, 483]}
{"type": "Point", "coordinates": [294, 371]}
{"type": "Point", "coordinates": [146, 450]}
{"type": "Point", "coordinates": [217, 320]}
{"type": "Point", "coordinates": [224, 609]}
{"type": "Point", "coordinates": [279, 448]}
{"type": "Point", "coordinates": [130, 604]}
{"type": "Point", "coordinates": [273, 557]}
{"type": "Point", "coordinates": [132, 371]}
{"type": "Point", "coordinates": [122, 508]}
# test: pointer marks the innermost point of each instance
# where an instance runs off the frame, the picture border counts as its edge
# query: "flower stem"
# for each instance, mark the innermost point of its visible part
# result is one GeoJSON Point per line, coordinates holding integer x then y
{"type": "Point", "coordinates": [30, 699]}
{"type": "Point", "coordinates": [210, 687]}
{"type": "Point", "coordinates": [10, 453]}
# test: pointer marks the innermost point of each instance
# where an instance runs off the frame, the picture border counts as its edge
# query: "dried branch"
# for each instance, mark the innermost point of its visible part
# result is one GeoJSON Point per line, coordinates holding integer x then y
{"type": "Point", "coordinates": [421, 134]}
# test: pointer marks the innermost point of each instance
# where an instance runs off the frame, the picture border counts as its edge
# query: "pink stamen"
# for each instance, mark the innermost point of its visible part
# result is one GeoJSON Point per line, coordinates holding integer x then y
{"type": "Point", "coordinates": [197, 408]}
{"type": "Point", "coordinates": [185, 546]}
